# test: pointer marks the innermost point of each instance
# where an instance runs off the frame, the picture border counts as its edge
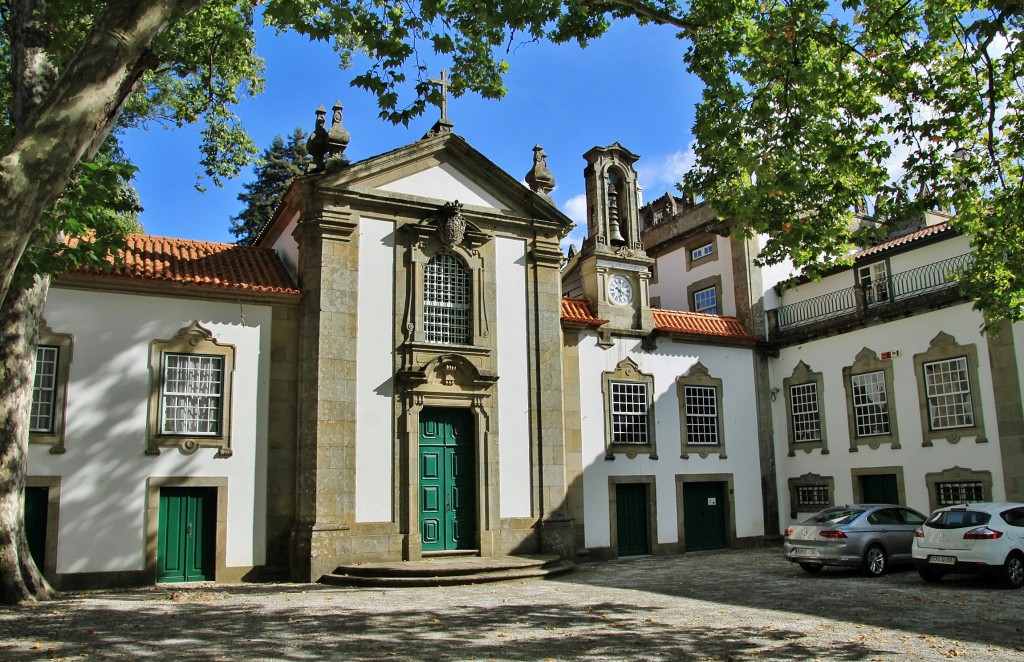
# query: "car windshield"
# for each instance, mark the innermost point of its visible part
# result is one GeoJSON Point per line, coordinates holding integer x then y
{"type": "Point", "coordinates": [957, 519]}
{"type": "Point", "coordinates": [834, 516]}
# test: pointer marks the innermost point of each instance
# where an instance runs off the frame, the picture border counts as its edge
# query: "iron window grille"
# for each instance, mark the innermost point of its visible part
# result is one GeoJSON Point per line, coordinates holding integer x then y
{"type": "Point", "coordinates": [192, 394]}
{"type": "Point", "coordinates": [706, 301]}
{"type": "Point", "coordinates": [629, 413]}
{"type": "Point", "coordinates": [804, 411]}
{"type": "Point", "coordinates": [870, 404]}
{"type": "Point", "coordinates": [44, 389]}
{"type": "Point", "coordinates": [446, 300]}
{"type": "Point", "coordinates": [701, 415]}
{"type": "Point", "coordinates": [948, 390]}
{"type": "Point", "coordinates": [950, 493]}
{"type": "Point", "coordinates": [812, 496]}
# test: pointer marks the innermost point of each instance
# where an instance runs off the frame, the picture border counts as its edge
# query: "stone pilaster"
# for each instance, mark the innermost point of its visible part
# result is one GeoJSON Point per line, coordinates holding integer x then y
{"type": "Point", "coordinates": [1002, 356]}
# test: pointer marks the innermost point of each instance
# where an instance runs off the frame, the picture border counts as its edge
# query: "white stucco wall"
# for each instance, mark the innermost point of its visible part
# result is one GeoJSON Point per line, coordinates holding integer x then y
{"type": "Point", "coordinates": [375, 372]}
{"type": "Point", "coordinates": [513, 383]}
{"type": "Point", "coordinates": [287, 248]}
{"type": "Point", "coordinates": [104, 471]}
{"type": "Point", "coordinates": [910, 336]}
{"type": "Point", "coordinates": [674, 278]}
{"type": "Point", "coordinates": [734, 366]}
{"type": "Point", "coordinates": [444, 181]}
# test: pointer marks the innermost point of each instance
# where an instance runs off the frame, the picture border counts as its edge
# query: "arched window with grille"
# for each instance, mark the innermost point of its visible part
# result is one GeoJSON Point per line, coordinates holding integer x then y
{"type": "Point", "coordinates": [446, 300]}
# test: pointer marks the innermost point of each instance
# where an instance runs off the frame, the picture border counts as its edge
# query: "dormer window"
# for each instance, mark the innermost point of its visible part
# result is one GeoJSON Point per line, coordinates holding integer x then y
{"type": "Point", "coordinates": [446, 300]}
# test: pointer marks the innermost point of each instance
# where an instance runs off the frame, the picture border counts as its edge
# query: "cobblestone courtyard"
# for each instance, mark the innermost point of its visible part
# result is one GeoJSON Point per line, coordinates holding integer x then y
{"type": "Point", "coordinates": [749, 605]}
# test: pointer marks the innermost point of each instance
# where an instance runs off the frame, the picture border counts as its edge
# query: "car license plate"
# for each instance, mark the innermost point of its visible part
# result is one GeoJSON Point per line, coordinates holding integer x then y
{"type": "Point", "coordinates": [944, 560]}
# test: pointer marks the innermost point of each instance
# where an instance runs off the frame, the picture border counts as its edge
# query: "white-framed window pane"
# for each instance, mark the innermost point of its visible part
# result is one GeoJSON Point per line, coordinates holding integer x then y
{"type": "Point", "coordinates": [874, 278]}
{"type": "Point", "coordinates": [446, 300]}
{"type": "Point", "coordinates": [870, 404]}
{"type": "Point", "coordinates": [706, 301]}
{"type": "Point", "coordinates": [44, 389]}
{"type": "Point", "coordinates": [701, 415]}
{"type": "Point", "coordinates": [949, 394]}
{"type": "Point", "coordinates": [812, 497]}
{"type": "Point", "coordinates": [629, 413]}
{"type": "Point", "coordinates": [192, 394]}
{"type": "Point", "coordinates": [803, 400]}
{"type": "Point", "coordinates": [963, 491]}
{"type": "Point", "coordinates": [706, 249]}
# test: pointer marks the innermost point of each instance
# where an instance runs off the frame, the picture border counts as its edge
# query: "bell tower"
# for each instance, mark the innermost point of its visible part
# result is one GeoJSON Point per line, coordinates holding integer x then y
{"type": "Point", "coordinates": [614, 268]}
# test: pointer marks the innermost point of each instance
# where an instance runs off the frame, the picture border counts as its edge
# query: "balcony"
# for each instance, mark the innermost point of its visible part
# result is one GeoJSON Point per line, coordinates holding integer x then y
{"type": "Point", "coordinates": [898, 294]}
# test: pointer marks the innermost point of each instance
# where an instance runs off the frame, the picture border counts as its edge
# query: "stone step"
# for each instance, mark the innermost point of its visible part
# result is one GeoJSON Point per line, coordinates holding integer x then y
{"type": "Point", "coordinates": [448, 571]}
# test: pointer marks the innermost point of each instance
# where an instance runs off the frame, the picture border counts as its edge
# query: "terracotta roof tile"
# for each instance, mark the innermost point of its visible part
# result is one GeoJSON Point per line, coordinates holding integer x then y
{"type": "Point", "coordinates": [577, 310]}
{"type": "Point", "coordinates": [199, 263]}
{"type": "Point", "coordinates": [675, 321]}
{"type": "Point", "coordinates": [928, 231]}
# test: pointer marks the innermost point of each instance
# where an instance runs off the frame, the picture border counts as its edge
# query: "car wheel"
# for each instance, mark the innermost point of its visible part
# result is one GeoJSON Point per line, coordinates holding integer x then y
{"type": "Point", "coordinates": [1012, 574]}
{"type": "Point", "coordinates": [874, 561]}
{"type": "Point", "coordinates": [929, 575]}
{"type": "Point", "coordinates": [811, 567]}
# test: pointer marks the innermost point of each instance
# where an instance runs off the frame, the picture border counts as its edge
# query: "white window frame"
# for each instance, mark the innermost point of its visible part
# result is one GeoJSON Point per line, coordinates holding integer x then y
{"type": "Point", "coordinates": [701, 405]}
{"type": "Point", "coordinates": [804, 413]}
{"type": "Point", "coordinates": [702, 251]}
{"type": "Point", "coordinates": [629, 403]}
{"type": "Point", "coordinates": [192, 394]}
{"type": "Point", "coordinates": [447, 300]}
{"type": "Point", "coordinates": [60, 346]}
{"type": "Point", "coordinates": [871, 405]}
{"type": "Point", "coordinates": [702, 307]}
{"type": "Point", "coordinates": [45, 390]}
{"type": "Point", "coordinates": [874, 278]}
{"type": "Point", "coordinates": [949, 399]}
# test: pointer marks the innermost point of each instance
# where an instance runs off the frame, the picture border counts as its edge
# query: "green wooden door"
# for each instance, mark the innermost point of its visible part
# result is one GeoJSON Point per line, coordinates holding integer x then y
{"type": "Point", "coordinates": [36, 505]}
{"type": "Point", "coordinates": [704, 516]}
{"type": "Point", "coordinates": [631, 518]}
{"type": "Point", "coordinates": [187, 534]}
{"type": "Point", "coordinates": [880, 488]}
{"type": "Point", "coordinates": [447, 493]}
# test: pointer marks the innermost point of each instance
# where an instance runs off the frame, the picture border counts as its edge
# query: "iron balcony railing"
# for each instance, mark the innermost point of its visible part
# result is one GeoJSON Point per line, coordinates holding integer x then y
{"type": "Point", "coordinates": [897, 287]}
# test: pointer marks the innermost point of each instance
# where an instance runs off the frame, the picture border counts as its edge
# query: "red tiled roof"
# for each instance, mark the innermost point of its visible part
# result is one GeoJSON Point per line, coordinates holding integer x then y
{"type": "Point", "coordinates": [199, 263]}
{"type": "Point", "coordinates": [927, 231]}
{"type": "Point", "coordinates": [577, 310]}
{"type": "Point", "coordinates": [699, 324]}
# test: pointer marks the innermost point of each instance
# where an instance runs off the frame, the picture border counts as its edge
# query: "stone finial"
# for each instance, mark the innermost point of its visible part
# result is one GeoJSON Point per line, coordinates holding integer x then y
{"type": "Point", "coordinates": [316, 145]}
{"type": "Point", "coordinates": [323, 143]}
{"type": "Point", "coordinates": [540, 178]}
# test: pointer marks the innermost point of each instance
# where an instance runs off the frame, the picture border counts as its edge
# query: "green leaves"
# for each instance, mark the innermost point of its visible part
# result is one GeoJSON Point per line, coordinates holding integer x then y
{"type": "Point", "coordinates": [278, 165]}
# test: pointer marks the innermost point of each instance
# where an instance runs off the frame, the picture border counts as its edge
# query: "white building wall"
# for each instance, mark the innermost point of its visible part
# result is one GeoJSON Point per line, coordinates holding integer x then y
{"type": "Point", "coordinates": [104, 471]}
{"type": "Point", "coordinates": [375, 371]}
{"type": "Point", "coordinates": [910, 336]}
{"type": "Point", "coordinates": [674, 277]}
{"type": "Point", "coordinates": [735, 367]}
{"type": "Point", "coordinates": [444, 178]}
{"type": "Point", "coordinates": [513, 384]}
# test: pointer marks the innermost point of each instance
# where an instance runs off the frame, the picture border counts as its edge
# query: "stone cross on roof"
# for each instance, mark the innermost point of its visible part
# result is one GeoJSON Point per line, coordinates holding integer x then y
{"type": "Point", "coordinates": [443, 83]}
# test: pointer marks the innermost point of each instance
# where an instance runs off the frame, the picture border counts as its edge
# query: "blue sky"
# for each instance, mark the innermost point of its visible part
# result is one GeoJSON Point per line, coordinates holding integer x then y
{"type": "Point", "coordinates": [629, 86]}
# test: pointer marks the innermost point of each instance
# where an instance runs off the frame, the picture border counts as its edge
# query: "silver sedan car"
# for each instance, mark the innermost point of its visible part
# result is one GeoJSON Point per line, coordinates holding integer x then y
{"type": "Point", "coordinates": [868, 537]}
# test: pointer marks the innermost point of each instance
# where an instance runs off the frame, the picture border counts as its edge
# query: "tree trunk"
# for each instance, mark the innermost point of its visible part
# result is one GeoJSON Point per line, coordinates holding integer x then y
{"type": "Point", "coordinates": [74, 117]}
{"type": "Point", "coordinates": [20, 580]}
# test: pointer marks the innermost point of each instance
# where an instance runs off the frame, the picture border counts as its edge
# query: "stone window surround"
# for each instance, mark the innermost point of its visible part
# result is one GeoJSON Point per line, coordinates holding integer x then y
{"type": "Point", "coordinates": [627, 371]}
{"type": "Point", "coordinates": [810, 479]}
{"type": "Point", "coordinates": [191, 339]}
{"type": "Point", "coordinates": [703, 284]}
{"type": "Point", "coordinates": [153, 485]}
{"type": "Point", "coordinates": [697, 241]}
{"type": "Point", "coordinates": [802, 374]}
{"type": "Point", "coordinates": [956, 474]}
{"type": "Point", "coordinates": [699, 375]}
{"type": "Point", "coordinates": [867, 361]}
{"type": "Point", "coordinates": [858, 492]}
{"type": "Point", "coordinates": [52, 485]}
{"type": "Point", "coordinates": [649, 482]}
{"type": "Point", "coordinates": [65, 344]}
{"type": "Point", "coordinates": [944, 346]}
{"type": "Point", "coordinates": [474, 261]}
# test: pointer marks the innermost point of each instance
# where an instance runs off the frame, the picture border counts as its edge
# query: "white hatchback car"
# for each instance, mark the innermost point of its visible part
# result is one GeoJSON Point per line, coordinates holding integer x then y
{"type": "Point", "coordinates": [975, 538]}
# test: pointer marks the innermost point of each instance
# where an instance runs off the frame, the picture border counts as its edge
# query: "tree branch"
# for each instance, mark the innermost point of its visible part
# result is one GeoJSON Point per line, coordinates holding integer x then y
{"type": "Point", "coordinates": [639, 8]}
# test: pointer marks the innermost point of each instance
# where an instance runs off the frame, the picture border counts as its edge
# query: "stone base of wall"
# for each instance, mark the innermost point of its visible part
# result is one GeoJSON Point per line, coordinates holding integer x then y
{"type": "Point", "coordinates": [666, 549]}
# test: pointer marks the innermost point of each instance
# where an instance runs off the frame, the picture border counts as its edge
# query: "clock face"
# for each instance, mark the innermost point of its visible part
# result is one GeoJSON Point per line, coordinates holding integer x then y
{"type": "Point", "coordinates": [619, 290]}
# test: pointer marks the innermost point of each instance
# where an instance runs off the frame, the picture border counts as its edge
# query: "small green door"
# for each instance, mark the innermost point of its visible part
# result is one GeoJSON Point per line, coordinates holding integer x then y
{"type": "Point", "coordinates": [187, 534]}
{"type": "Point", "coordinates": [447, 495]}
{"type": "Point", "coordinates": [879, 488]}
{"type": "Point", "coordinates": [36, 505]}
{"type": "Point", "coordinates": [631, 519]}
{"type": "Point", "coordinates": [704, 516]}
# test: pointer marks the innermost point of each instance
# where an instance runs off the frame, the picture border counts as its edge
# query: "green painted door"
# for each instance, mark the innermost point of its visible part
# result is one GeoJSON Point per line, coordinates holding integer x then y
{"type": "Point", "coordinates": [880, 488]}
{"type": "Point", "coordinates": [447, 494]}
{"type": "Point", "coordinates": [704, 516]}
{"type": "Point", "coordinates": [631, 518]}
{"type": "Point", "coordinates": [36, 504]}
{"type": "Point", "coordinates": [187, 534]}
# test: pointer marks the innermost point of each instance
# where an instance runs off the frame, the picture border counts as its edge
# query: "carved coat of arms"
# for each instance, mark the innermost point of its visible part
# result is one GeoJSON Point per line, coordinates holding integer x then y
{"type": "Point", "coordinates": [452, 227]}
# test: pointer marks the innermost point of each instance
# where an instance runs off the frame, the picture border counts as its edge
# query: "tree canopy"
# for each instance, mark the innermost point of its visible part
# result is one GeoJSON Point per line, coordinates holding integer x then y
{"type": "Point", "coordinates": [278, 165]}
